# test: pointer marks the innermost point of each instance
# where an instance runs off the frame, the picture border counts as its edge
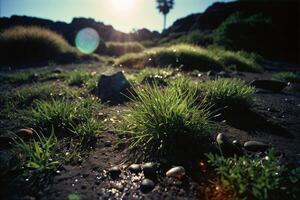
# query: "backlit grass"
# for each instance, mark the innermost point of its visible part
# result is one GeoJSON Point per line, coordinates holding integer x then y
{"type": "Point", "coordinates": [120, 48]}
{"type": "Point", "coordinates": [232, 93]}
{"type": "Point", "coordinates": [22, 45]}
{"type": "Point", "coordinates": [166, 123]}
{"type": "Point", "coordinates": [191, 57]}
{"type": "Point", "coordinates": [68, 118]}
{"type": "Point", "coordinates": [256, 177]}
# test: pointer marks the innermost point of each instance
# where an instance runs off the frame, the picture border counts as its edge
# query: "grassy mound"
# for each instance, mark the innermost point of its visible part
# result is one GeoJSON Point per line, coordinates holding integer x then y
{"type": "Point", "coordinates": [190, 57]}
{"type": "Point", "coordinates": [167, 124]}
{"type": "Point", "coordinates": [34, 45]}
{"type": "Point", "coordinates": [120, 48]}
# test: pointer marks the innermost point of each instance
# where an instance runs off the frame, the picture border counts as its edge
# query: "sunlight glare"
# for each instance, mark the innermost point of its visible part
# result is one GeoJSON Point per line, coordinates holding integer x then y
{"type": "Point", "coordinates": [123, 5]}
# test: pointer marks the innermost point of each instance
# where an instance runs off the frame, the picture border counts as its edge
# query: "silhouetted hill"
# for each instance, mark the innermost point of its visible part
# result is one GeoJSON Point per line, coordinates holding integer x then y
{"type": "Point", "coordinates": [268, 27]}
{"type": "Point", "coordinates": [69, 30]}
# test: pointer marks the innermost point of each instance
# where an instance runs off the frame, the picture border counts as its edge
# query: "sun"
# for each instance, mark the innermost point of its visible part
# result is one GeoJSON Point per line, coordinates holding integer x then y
{"type": "Point", "coordinates": [123, 5]}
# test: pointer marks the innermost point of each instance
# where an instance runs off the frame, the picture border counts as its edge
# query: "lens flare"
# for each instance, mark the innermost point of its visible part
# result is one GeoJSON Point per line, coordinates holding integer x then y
{"type": "Point", "coordinates": [87, 40]}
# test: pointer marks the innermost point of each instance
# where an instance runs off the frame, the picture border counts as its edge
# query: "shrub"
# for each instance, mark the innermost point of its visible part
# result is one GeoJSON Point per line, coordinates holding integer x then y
{"type": "Point", "coordinates": [293, 77]}
{"type": "Point", "coordinates": [196, 38]}
{"type": "Point", "coordinates": [233, 93]}
{"type": "Point", "coordinates": [34, 45]}
{"type": "Point", "coordinates": [256, 177]}
{"type": "Point", "coordinates": [120, 48]}
{"type": "Point", "coordinates": [166, 123]}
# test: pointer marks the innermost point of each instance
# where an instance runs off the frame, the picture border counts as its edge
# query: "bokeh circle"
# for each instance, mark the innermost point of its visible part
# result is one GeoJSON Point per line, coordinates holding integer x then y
{"type": "Point", "coordinates": [87, 40]}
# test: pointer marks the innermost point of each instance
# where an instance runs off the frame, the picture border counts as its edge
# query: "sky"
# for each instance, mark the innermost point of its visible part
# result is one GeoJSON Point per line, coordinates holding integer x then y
{"type": "Point", "coordinates": [123, 15]}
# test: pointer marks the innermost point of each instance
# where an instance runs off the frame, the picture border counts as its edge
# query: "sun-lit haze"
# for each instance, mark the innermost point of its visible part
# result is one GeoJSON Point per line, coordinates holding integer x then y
{"type": "Point", "coordinates": [124, 15]}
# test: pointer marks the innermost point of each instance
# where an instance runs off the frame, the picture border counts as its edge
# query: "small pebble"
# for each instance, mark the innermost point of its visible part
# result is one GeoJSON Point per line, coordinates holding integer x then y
{"type": "Point", "coordinates": [147, 185]}
{"type": "Point", "coordinates": [134, 168]}
{"type": "Point", "coordinates": [177, 172]}
{"type": "Point", "coordinates": [114, 172]}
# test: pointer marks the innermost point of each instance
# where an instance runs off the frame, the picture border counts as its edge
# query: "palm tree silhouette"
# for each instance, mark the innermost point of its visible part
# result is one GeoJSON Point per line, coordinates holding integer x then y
{"type": "Point", "coordinates": [164, 7]}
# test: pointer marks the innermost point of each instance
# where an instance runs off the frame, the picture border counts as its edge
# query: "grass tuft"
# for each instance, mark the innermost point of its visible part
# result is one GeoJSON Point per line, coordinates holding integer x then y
{"type": "Point", "coordinates": [256, 177]}
{"type": "Point", "coordinates": [120, 48]}
{"type": "Point", "coordinates": [166, 123]}
{"type": "Point", "coordinates": [232, 93]}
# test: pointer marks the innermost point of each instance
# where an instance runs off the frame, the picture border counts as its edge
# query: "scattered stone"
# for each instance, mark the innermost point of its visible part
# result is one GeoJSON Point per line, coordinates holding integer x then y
{"type": "Point", "coordinates": [134, 168]}
{"type": "Point", "coordinates": [114, 172]}
{"type": "Point", "coordinates": [177, 172]}
{"type": "Point", "coordinates": [255, 146]}
{"type": "Point", "coordinates": [107, 143]}
{"type": "Point", "coordinates": [227, 147]}
{"type": "Point", "coordinates": [224, 74]}
{"type": "Point", "coordinates": [294, 86]}
{"type": "Point", "coordinates": [114, 89]}
{"type": "Point", "coordinates": [149, 169]}
{"type": "Point", "coordinates": [147, 185]}
{"type": "Point", "coordinates": [236, 73]}
{"type": "Point", "coordinates": [236, 143]}
{"type": "Point", "coordinates": [118, 186]}
{"type": "Point", "coordinates": [271, 85]}
{"type": "Point", "coordinates": [211, 73]}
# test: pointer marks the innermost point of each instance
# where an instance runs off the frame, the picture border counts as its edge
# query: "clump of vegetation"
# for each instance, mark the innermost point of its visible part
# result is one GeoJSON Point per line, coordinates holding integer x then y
{"type": "Point", "coordinates": [196, 38]}
{"type": "Point", "coordinates": [120, 48]}
{"type": "Point", "coordinates": [151, 75]}
{"type": "Point", "coordinates": [293, 77]}
{"type": "Point", "coordinates": [78, 77]}
{"type": "Point", "coordinates": [166, 123]}
{"type": "Point", "coordinates": [255, 177]}
{"type": "Point", "coordinates": [189, 57]}
{"type": "Point", "coordinates": [68, 118]}
{"type": "Point", "coordinates": [232, 93]}
{"type": "Point", "coordinates": [33, 45]}
{"type": "Point", "coordinates": [237, 60]}
{"type": "Point", "coordinates": [39, 159]}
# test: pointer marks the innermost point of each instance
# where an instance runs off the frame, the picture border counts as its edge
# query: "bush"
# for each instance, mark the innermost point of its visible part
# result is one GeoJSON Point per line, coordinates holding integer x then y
{"type": "Point", "coordinates": [120, 48]}
{"type": "Point", "coordinates": [196, 38]}
{"type": "Point", "coordinates": [293, 77]}
{"type": "Point", "coordinates": [34, 45]}
{"type": "Point", "coordinates": [166, 123]}
{"type": "Point", "coordinates": [256, 177]}
{"type": "Point", "coordinates": [233, 93]}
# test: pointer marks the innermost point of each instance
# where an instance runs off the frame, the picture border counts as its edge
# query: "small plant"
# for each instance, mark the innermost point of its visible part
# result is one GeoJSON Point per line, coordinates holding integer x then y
{"type": "Point", "coordinates": [293, 77]}
{"type": "Point", "coordinates": [39, 157]}
{"type": "Point", "coordinates": [253, 177]}
{"type": "Point", "coordinates": [166, 123]}
{"type": "Point", "coordinates": [232, 93]}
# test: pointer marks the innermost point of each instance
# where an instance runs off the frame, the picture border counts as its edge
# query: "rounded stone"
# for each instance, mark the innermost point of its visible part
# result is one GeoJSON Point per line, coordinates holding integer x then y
{"type": "Point", "coordinates": [149, 169]}
{"type": "Point", "coordinates": [147, 185]}
{"type": "Point", "coordinates": [134, 168]}
{"type": "Point", "coordinates": [255, 146]}
{"type": "Point", "coordinates": [176, 172]}
{"type": "Point", "coordinates": [114, 172]}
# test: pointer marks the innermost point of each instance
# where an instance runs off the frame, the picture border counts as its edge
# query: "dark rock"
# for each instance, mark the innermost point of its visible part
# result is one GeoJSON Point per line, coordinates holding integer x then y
{"type": "Point", "coordinates": [236, 73]}
{"type": "Point", "coordinates": [114, 172]}
{"type": "Point", "coordinates": [294, 86]}
{"type": "Point", "coordinates": [236, 143]}
{"type": "Point", "coordinates": [177, 172]}
{"type": "Point", "coordinates": [114, 88]}
{"type": "Point", "coordinates": [255, 146]}
{"type": "Point", "coordinates": [147, 185]}
{"type": "Point", "coordinates": [226, 146]}
{"type": "Point", "coordinates": [211, 73]}
{"type": "Point", "coordinates": [224, 74]}
{"type": "Point", "coordinates": [271, 85]}
{"type": "Point", "coordinates": [150, 169]}
{"type": "Point", "coordinates": [135, 168]}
